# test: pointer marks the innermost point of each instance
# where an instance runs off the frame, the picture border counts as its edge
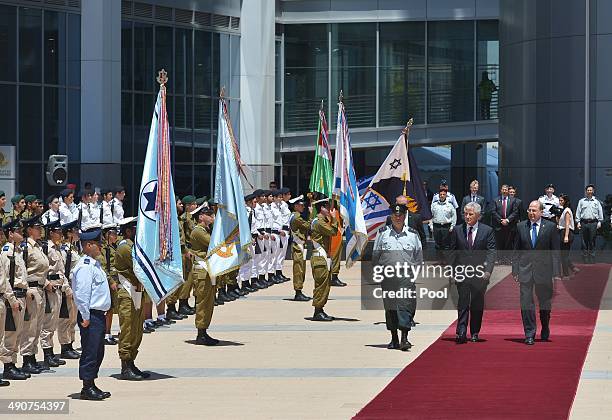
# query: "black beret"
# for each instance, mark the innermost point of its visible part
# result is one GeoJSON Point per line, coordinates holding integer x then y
{"type": "Point", "coordinates": [66, 192]}
{"type": "Point", "coordinates": [91, 234]}
{"type": "Point", "coordinates": [118, 189]}
{"type": "Point", "coordinates": [70, 225]}
{"type": "Point", "coordinates": [399, 209]}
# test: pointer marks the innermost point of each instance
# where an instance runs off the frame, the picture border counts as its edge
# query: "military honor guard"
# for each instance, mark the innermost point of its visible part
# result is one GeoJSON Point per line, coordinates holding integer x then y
{"type": "Point", "coordinates": [68, 311]}
{"type": "Point", "coordinates": [300, 229]}
{"type": "Point", "coordinates": [322, 228]}
{"type": "Point", "coordinates": [398, 243]}
{"type": "Point", "coordinates": [92, 297]}
{"type": "Point", "coordinates": [106, 258]}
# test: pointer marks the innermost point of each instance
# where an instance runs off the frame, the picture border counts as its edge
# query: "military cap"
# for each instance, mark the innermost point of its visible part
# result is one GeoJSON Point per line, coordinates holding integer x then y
{"type": "Point", "coordinates": [201, 200]}
{"type": "Point", "coordinates": [70, 225]}
{"type": "Point", "coordinates": [276, 193]}
{"type": "Point", "coordinates": [204, 208]}
{"type": "Point", "coordinates": [188, 199]}
{"type": "Point", "coordinates": [30, 198]}
{"type": "Point", "coordinates": [444, 182]}
{"type": "Point", "coordinates": [249, 197]}
{"type": "Point", "coordinates": [53, 225]}
{"type": "Point", "coordinates": [12, 225]}
{"type": "Point", "coordinates": [51, 198]}
{"type": "Point", "coordinates": [109, 226]}
{"type": "Point", "coordinates": [2, 194]}
{"type": "Point", "coordinates": [92, 234]}
{"type": "Point", "coordinates": [71, 187]}
{"type": "Point", "coordinates": [66, 192]}
{"type": "Point", "coordinates": [105, 191]}
{"type": "Point", "coordinates": [85, 192]}
{"type": "Point", "coordinates": [38, 200]}
{"type": "Point", "coordinates": [550, 186]}
{"type": "Point", "coordinates": [17, 198]}
{"type": "Point", "coordinates": [298, 200]}
{"type": "Point", "coordinates": [399, 209]}
{"type": "Point", "coordinates": [118, 189]}
{"type": "Point", "coordinates": [285, 190]}
{"type": "Point", "coordinates": [32, 221]}
{"type": "Point", "coordinates": [258, 193]}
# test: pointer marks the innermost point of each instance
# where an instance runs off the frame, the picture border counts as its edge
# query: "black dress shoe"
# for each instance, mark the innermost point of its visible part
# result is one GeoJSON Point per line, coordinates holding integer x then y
{"type": "Point", "coordinates": [475, 338]}
{"type": "Point", "coordinates": [529, 341]}
{"type": "Point", "coordinates": [148, 330]}
{"type": "Point", "coordinates": [336, 282]}
{"type": "Point", "coordinates": [461, 339]}
{"type": "Point", "coordinates": [49, 360]}
{"type": "Point", "coordinates": [69, 353]}
{"type": "Point", "coordinates": [138, 371]}
{"type": "Point", "coordinates": [300, 297]}
{"type": "Point", "coordinates": [91, 393]}
{"type": "Point", "coordinates": [58, 360]}
{"type": "Point", "coordinates": [320, 315]}
{"type": "Point", "coordinates": [393, 345]}
{"type": "Point", "coordinates": [172, 314]}
{"type": "Point", "coordinates": [105, 394]}
{"type": "Point", "coordinates": [404, 343]}
{"type": "Point", "coordinates": [166, 321]}
{"type": "Point", "coordinates": [4, 383]}
{"type": "Point", "coordinates": [184, 310]}
{"type": "Point", "coordinates": [203, 339]}
{"type": "Point", "coordinates": [11, 372]}
{"type": "Point", "coordinates": [110, 341]}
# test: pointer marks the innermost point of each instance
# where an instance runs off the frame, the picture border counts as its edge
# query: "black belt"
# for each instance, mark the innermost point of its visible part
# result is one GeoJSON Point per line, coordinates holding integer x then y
{"type": "Point", "coordinates": [53, 276]}
{"type": "Point", "coordinates": [589, 220]}
{"type": "Point", "coordinates": [276, 232]}
{"type": "Point", "coordinates": [268, 230]}
{"type": "Point", "coordinates": [441, 224]}
{"type": "Point", "coordinates": [33, 284]}
{"type": "Point", "coordinates": [20, 293]}
{"type": "Point", "coordinates": [285, 227]}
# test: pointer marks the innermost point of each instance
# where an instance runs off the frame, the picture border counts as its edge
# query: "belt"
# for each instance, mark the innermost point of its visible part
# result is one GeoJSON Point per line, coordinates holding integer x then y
{"type": "Point", "coordinates": [53, 276]}
{"type": "Point", "coordinates": [285, 227]}
{"type": "Point", "coordinates": [276, 232]}
{"type": "Point", "coordinates": [33, 284]}
{"type": "Point", "coordinates": [19, 292]}
{"type": "Point", "coordinates": [268, 230]}
{"type": "Point", "coordinates": [589, 220]}
{"type": "Point", "coordinates": [441, 224]}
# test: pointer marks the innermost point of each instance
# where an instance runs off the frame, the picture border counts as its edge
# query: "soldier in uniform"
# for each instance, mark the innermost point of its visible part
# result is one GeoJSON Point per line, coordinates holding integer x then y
{"type": "Point", "coordinates": [244, 274]}
{"type": "Point", "coordinates": [56, 285]}
{"type": "Point", "coordinates": [68, 315]}
{"type": "Point", "coordinates": [107, 261]}
{"type": "Point", "coordinates": [16, 276]}
{"type": "Point", "coordinates": [129, 303]}
{"type": "Point", "coordinates": [185, 290]}
{"type": "Point", "coordinates": [52, 214]}
{"type": "Point", "coordinates": [299, 231]}
{"type": "Point", "coordinates": [68, 210]}
{"type": "Point", "coordinates": [117, 203]}
{"type": "Point", "coordinates": [31, 206]}
{"type": "Point", "coordinates": [398, 243]}
{"type": "Point", "coordinates": [256, 250]}
{"type": "Point", "coordinates": [259, 223]}
{"type": "Point", "coordinates": [549, 199]}
{"type": "Point", "coordinates": [336, 257]}
{"type": "Point", "coordinates": [3, 213]}
{"type": "Point", "coordinates": [322, 228]}
{"type": "Point", "coordinates": [37, 266]}
{"type": "Point", "coordinates": [203, 286]}
{"type": "Point", "coordinates": [19, 205]}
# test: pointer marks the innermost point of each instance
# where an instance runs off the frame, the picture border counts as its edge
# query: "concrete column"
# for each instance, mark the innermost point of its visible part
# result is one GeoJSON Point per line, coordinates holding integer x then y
{"type": "Point", "coordinates": [101, 91]}
{"type": "Point", "coordinates": [257, 23]}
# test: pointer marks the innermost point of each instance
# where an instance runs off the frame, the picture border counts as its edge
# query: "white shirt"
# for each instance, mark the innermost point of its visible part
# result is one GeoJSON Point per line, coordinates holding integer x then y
{"type": "Point", "coordinates": [87, 219]}
{"type": "Point", "coordinates": [449, 197]}
{"type": "Point", "coordinates": [91, 289]}
{"type": "Point", "coordinates": [50, 216]}
{"type": "Point", "coordinates": [277, 217]}
{"type": "Point", "coordinates": [548, 202]}
{"type": "Point", "coordinates": [562, 219]}
{"type": "Point", "coordinates": [443, 213]}
{"type": "Point", "coordinates": [107, 213]}
{"type": "Point", "coordinates": [117, 210]}
{"type": "Point", "coordinates": [66, 214]}
{"type": "Point", "coordinates": [284, 208]}
{"type": "Point", "coordinates": [538, 225]}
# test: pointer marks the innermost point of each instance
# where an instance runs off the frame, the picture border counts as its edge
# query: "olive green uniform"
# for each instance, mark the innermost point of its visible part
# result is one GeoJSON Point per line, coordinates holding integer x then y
{"type": "Point", "coordinates": [322, 231]}
{"type": "Point", "coordinates": [188, 225]}
{"type": "Point", "coordinates": [203, 287]}
{"type": "Point", "coordinates": [107, 261]}
{"type": "Point", "coordinates": [130, 318]}
{"type": "Point", "coordinates": [299, 230]}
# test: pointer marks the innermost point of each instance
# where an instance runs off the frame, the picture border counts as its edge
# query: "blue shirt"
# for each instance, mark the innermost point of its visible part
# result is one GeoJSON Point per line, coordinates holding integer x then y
{"type": "Point", "coordinates": [90, 287]}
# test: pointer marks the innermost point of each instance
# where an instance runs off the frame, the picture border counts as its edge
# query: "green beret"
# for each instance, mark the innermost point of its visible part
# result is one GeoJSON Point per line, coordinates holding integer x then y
{"type": "Point", "coordinates": [30, 198]}
{"type": "Point", "coordinates": [16, 199]}
{"type": "Point", "coordinates": [188, 199]}
{"type": "Point", "coordinates": [201, 200]}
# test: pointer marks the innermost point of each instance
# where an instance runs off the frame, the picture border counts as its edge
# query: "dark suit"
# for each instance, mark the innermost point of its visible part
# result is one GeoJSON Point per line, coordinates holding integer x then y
{"type": "Point", "coordinates": [472, 290]}
{"type": "Point", "coordinates": [535, 268]}
{"type": "Point", "coordinates": [504, 234]}
{"type": "Point", "coordinates": [479, 199]}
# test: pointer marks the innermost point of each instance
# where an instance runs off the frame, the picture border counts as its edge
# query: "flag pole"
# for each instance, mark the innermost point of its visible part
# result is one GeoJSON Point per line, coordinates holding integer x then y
{"type": "Point", "coordinates": [405, 132]}
{"type": "Point", "coordinates": [340, 98]}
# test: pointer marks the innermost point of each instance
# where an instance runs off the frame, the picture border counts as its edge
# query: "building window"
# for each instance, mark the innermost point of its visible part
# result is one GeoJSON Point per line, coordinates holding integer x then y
{"type": "Point", "coordinates": [8, 43]}
{"type": "Point", "coordinates": [402, 73]}
{"type": "Point", "coordinates": [306, 75]}
{"type": "Point", "coordinates": [353, 58]}
{"type": "Point", "coordinates": [450, 70]}
{"type": "Point", "coordinates": [487, 69]}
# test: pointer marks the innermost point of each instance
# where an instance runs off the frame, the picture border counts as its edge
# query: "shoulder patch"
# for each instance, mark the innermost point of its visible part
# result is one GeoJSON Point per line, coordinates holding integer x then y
{"type": "Point", "coordinates": [5, 248]}
{"type": "Point", "coordinates": [383, 229]}
{"type": "Point", "coordinates": [86, 260]}
{"type": "Point", "coordinates": [412, 230]}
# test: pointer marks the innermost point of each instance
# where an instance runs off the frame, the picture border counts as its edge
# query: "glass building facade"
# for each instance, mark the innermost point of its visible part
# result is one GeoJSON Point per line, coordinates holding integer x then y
{"type": "Point", "coordinates": [40, 87]}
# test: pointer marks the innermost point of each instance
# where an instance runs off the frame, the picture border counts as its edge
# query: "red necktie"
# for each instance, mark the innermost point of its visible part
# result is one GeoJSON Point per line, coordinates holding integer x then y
{"type": "Point", "coordinates": [504, 208]}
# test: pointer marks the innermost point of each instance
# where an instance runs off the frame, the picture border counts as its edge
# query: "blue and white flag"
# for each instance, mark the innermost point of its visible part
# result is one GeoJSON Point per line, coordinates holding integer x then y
{"type": "Point", "coordinates": [157, 248]}
{"type": "Point", "coordinates": [345, 188]}
{"type": "Point", "coordinates": [230, 239]}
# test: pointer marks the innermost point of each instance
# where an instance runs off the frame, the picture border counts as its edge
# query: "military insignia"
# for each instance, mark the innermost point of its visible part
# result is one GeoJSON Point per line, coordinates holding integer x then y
{"type": "Point", "coordinates": [148, 196]}
{"type": "Point", "coordinates": [5, 248]}
{"type": "Point", "coordinates": [86, 261]}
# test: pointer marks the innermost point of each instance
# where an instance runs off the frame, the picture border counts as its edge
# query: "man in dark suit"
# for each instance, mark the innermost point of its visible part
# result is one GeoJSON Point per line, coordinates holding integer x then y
{"type": "Point", "coordinates": [474, 197]}
{"type": "Point", "coordinates": [472, 245]}
{"type": "Point", "coordinates": [519, 203]}
{"type": "Point", "coordinates": [504, 216]}
{"type": "Point", "coordinates": [536, 265]}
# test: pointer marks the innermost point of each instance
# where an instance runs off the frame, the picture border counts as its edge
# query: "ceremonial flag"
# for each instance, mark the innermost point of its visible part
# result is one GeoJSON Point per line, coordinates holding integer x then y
{"type": "Point", "coordinates": [230, 239]}
{"type": "Point", "coordinates": [345, 188]}
{"type": "Point", "coordinates": [321, 179]}
{"type": "Point", "coordinates": [157, 248]}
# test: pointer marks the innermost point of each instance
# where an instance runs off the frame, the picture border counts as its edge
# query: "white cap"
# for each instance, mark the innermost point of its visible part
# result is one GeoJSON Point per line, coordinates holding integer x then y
{"type": "Point", "coordinates": [299, 197]}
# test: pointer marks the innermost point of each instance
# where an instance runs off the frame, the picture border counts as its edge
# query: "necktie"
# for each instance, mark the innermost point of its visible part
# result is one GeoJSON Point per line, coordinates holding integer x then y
{"type": "Point", "coordinates": [504, 208]}
{"type": "Point", "coordinates": [470, 238]}
{"type": "Point", "coordinates": [473, 199]}
{"type": "Point", "coordinates": [534, 234]}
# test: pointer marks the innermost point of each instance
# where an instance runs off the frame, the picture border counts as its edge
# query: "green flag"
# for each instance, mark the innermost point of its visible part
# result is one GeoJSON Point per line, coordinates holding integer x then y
{"type": "Point", "coordinates": [321, 179]}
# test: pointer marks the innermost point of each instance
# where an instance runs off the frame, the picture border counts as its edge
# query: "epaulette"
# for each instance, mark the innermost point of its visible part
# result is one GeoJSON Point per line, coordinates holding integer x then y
{"type": "Point", "coordinates": [86, 260]}
{"type": "Point", "coordinates": [412, 230]}
{"type": "Point", "coordinates": [383, 229]}
{"type": "Point", "coordinates": [5, 248]}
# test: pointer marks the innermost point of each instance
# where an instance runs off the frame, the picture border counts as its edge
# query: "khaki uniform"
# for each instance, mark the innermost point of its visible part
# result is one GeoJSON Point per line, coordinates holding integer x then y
{"type": "Point", "coordinates": [65, 329]}
{"type": "Point", "coordinates": [53, 298]}
{"type": "Point", "coordinates": [37, 266]}
{"type": "Point", "coordinates": [174, 296]}
{"type": "Point", "coordinates": [107, 261]}
{"type": "Point", "coordinates": [299, 230]}
{"type": "Point", "coordinates": [203, 287]}
{"type": "Point", "coordinates": [130, 318]}
{"type": "Point", "coordinates": [188, 225]}
{"type": "Point", "coordinates": [321, 232]}
{"type": "Point", "coordinates": [9, 346]}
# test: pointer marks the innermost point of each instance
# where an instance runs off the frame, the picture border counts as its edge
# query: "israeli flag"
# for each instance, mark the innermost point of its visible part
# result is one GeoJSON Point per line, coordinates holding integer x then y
{"type": "Point", "coordinates": [159, 277]}
{"type": "Point", "coordinates": [230, 239]}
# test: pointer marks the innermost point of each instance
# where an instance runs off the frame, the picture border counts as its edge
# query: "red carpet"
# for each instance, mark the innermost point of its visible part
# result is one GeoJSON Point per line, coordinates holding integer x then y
{"type": "Point", "coordinates": [501, 378]}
